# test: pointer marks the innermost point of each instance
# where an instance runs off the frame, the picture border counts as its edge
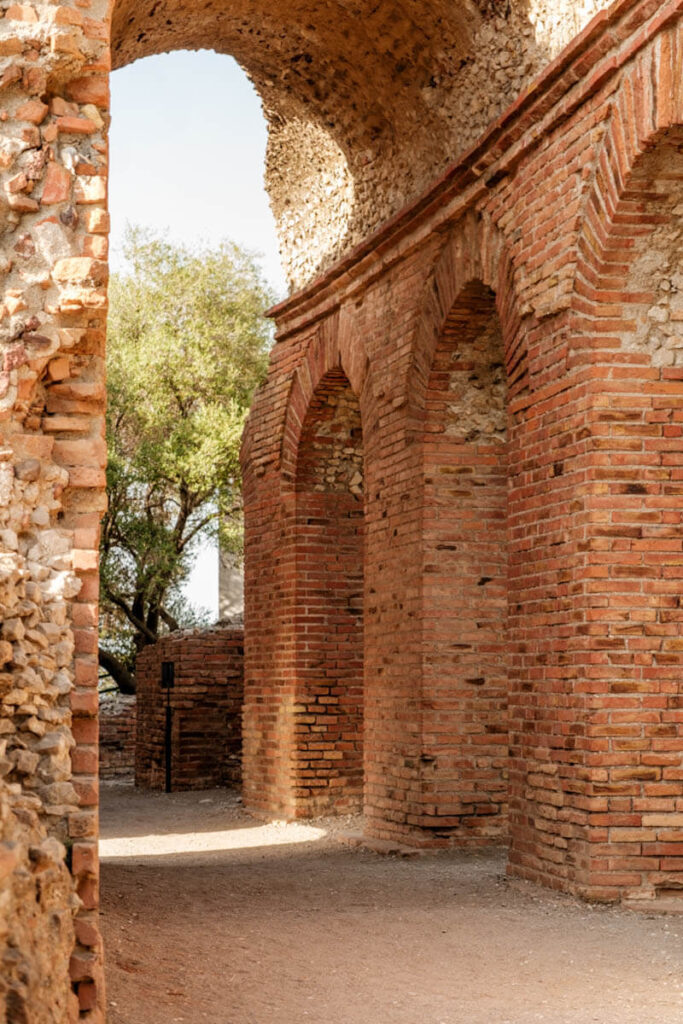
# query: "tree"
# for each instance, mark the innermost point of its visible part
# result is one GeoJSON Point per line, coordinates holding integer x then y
{"type": "Point", "coordinates": [188, 343]}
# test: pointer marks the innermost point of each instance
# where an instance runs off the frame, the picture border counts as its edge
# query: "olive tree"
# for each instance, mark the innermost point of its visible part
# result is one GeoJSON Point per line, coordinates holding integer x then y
{"type": "Point", "coordinates": [188, 343]}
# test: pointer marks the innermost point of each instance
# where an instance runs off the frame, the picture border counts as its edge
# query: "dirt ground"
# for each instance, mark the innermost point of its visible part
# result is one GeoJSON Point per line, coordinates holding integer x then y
{"type": "Point", "coordinates": [211, 916]}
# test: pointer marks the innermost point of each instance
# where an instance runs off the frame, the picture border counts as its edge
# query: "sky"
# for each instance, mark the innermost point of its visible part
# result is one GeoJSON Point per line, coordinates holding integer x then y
{"type": "Point", "coordinates": [188, 141]}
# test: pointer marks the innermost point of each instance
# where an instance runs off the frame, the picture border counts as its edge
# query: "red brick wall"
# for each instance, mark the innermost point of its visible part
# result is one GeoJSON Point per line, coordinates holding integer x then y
{"type": "Point", "coordinates": [570, 514]}
{"type": "Point", "coordinates": [117, 736]}
{"type": "Point", "coordinates": [206, 704]}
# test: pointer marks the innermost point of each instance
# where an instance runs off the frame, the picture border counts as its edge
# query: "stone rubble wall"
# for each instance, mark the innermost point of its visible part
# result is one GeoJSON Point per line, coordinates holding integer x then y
{"type": "Point", "coordinates": [464, 89]}
{"type": "Point", "coordinates": [53, 226]}
{"type": "Point", "coordinates": [117, 736]}
{"type": "Point", "coordinates": [37, 907]}
{"type": "Point", "coordinates": [206, 704]}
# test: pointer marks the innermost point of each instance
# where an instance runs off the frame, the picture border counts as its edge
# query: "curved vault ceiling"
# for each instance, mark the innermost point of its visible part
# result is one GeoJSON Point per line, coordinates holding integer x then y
{"type": "Point", "coordinates": [366, 100]}
{"type": "Point", "coordinates": [358, 69]}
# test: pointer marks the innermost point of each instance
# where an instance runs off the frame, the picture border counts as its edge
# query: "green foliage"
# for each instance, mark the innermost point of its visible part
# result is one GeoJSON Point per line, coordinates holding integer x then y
{"type": "Point", "coordinates": [188, 344]}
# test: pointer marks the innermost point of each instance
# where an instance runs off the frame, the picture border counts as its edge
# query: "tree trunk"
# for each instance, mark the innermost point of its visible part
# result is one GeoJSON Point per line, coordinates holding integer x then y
{"type": "Point", "coordinates": [124, 679]}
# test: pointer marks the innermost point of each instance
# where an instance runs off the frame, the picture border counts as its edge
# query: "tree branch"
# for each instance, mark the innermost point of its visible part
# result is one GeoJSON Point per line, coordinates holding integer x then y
{"type": "Point", "coordinates": [172, 623]}
{"type": "Point", "coordinates": [195, 530]}
{"type": "Point", "coordinates": [130, 615]}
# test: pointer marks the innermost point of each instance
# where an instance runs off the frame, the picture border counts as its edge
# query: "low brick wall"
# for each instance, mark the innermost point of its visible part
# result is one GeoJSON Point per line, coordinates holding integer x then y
{"type": "Point", "coordinates": [117, 736]}
{"type": "Point", "coordinates": [206, 707]}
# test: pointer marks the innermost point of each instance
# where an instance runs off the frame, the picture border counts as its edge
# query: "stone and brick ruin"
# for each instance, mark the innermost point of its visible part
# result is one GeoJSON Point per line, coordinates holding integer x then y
{"type": "Point", "coordinates": [464, 542]}
{"type": "Point", "coordinates": [205, 702]}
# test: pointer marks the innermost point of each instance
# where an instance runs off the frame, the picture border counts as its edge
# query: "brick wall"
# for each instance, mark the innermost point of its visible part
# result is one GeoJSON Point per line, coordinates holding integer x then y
{"type": "Point", "coordinates": [117, 736]}
{"type": "Point", "coordinates": [206, 703]}
{"type": "Point", "coordinates": [513, 343]}
{"type": "Point", "coordinates": [465, 729]}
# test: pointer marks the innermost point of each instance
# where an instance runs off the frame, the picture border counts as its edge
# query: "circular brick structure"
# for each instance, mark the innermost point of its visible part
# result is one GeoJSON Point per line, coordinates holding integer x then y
{"type": "Point", "coordinates": [205, 701]}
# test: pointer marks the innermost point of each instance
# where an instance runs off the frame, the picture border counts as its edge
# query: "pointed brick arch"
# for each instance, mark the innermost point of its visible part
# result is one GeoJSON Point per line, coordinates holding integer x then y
{"type": "Point", "coordinates": [306, 755]}
{"type": "Point", "coordinates": [474, 251]}
{"type": "Point", "coordinates": [648, 105]}
{"type": "Point", "coordinates": [328, 350]}
{"type": "Point", "coordinates": [627, 348]}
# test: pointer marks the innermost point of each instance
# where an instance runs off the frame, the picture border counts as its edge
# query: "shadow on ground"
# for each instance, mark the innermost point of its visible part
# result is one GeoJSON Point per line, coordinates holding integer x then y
{"type": "Point", "coordinates": [307, 929]}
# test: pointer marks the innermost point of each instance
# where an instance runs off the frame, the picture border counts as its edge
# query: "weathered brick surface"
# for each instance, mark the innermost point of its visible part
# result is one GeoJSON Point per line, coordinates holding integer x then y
{"type": "Point", "coordinates": [117, 737]}
{"type": "Point", "coordinates": [464, 588]}
{"type": "Point", "coordinates": [566, 509]}
{"type": "Point", "coordinates": [206, 704]}
{"type": "Point", "coordinates": [328, 525]}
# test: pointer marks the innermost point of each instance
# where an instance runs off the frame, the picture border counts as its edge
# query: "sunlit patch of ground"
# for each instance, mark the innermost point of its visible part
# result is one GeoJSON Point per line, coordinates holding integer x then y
{"type": "Point", "coordinates": [277, 834]}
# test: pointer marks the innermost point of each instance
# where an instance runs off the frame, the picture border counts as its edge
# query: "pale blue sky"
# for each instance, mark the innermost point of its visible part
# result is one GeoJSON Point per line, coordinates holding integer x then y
{"type": "Point", "coordinates": [188, 143]}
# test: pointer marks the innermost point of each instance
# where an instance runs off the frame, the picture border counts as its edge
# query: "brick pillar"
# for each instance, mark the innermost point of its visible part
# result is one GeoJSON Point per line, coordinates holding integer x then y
{"type": "Point", "coordinates": [550, 655]}
{"type": "Point", "coordinates": [269, 606]}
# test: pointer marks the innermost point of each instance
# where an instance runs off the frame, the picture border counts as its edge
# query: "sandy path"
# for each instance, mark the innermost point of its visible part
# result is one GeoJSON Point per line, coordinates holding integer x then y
{"type": "Point", "coordinates": [210, 916]}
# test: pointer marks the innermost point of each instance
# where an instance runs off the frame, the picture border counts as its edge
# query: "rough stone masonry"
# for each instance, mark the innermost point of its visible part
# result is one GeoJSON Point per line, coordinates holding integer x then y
{"type": "Point", "coordinates": [462, 477]}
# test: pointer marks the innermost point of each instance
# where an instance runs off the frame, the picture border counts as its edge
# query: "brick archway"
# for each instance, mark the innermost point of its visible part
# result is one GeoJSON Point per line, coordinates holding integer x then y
{"type": "Point", "coordinates": [465, 576]}
{"type": "Point", "coordinates": [329, 553]}
{"type": "Point", "coordinates": [628, 348]}
{"type": "Point", "coordinates": [328, 349]}
{"type": "Point", "coordinates": [284, 698]}
{"type": "Point", "coordinates": [475, 250]}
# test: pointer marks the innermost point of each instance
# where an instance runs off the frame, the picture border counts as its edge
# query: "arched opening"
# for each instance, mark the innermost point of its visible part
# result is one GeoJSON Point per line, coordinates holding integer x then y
{"type": "Point", "coordinates": [465, 575]}
{"type": "Point", "coordinates": [187, 343]}
{"type": "Point", "coordinates": [328, 722]}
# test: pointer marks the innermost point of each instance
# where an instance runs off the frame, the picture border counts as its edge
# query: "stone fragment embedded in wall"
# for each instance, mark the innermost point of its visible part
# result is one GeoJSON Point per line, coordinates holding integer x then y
{"type": "Point", "coordinates": [478, 386]}
{"type": "Point", "coordinates": [332, 460]}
